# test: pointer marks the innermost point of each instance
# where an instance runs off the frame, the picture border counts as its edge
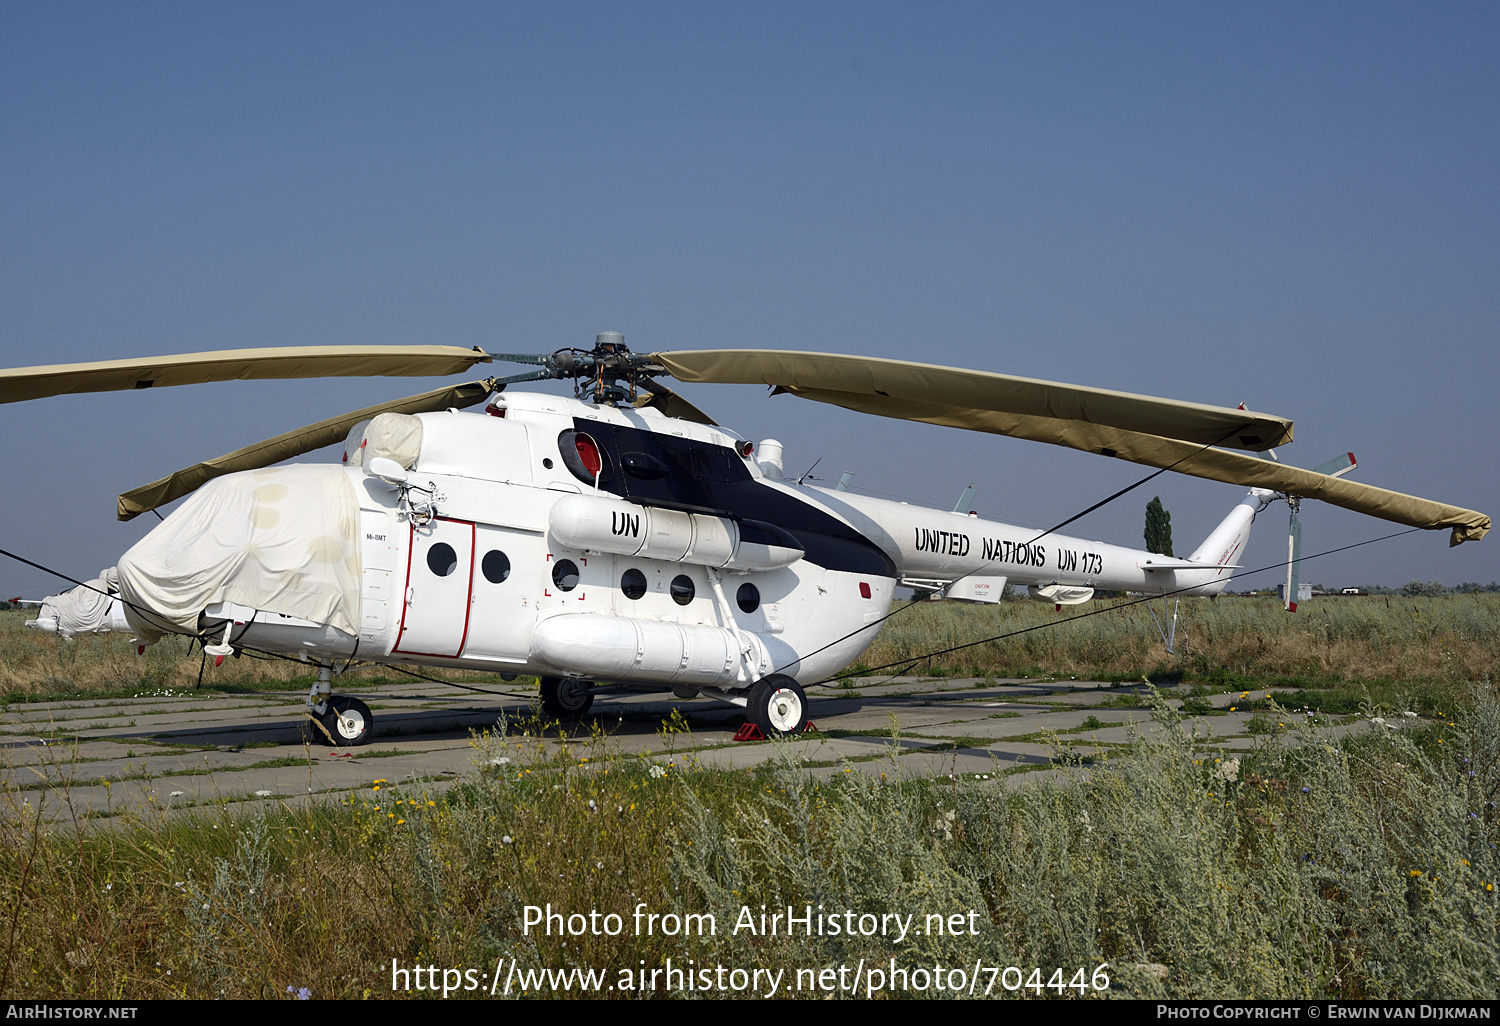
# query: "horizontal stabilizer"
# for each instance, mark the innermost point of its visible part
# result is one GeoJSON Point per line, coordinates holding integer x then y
{"type": "Point", "coordinates": [1166, 563]}
{"type": "Point", "coordinates": [923, 583]}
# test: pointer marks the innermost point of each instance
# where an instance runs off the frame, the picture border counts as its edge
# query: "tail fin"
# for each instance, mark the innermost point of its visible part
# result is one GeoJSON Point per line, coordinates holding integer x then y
{"type": "Point", "coordinates": [1226, 543]}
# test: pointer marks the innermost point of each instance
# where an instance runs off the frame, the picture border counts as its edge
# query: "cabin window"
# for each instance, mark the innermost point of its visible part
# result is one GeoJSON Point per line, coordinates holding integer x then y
{"type": "Point", "coordinates": [682, 589]}
{"type": "Point", "coordinates": [441, 559]}
{"type": "Point", "coordinates": [496, 566]}
{"type": "Point", "coordinates": [633, 584]}
{"type": "Point", "coordinates": [565, 575]}
{"type": "Point", "coordinates": [748, 597]}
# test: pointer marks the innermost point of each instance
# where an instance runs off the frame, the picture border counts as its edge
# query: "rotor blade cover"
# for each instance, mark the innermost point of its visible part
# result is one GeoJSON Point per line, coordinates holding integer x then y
{"type": "Point", "coordinates": [671, 404]}
{"type": "Point", "coordinates": [24, 383]}
{"type": "Point", "coordinates": [289, 445]}
{"type": "Point", "coordinates": [891, 384]}
{"type": "Point", "coordinates": [1184, 457]}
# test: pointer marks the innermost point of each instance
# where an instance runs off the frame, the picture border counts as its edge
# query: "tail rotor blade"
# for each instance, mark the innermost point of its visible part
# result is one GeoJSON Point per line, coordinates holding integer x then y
{"type": "Point", "coordinates": [1338, 466]}
{"type": "Point", "coordinates": [962, 506]}
{"type": "Point", "coordinates": [1293, 556]}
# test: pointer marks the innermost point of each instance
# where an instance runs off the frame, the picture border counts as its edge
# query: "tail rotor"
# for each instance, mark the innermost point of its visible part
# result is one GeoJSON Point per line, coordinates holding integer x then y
{"type": "Point", "coordinates": [1336, 467]}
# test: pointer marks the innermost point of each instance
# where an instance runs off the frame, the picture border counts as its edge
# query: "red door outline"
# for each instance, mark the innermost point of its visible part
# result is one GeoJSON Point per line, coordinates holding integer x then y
{"type": "Point", "coordinates": [411, 548]}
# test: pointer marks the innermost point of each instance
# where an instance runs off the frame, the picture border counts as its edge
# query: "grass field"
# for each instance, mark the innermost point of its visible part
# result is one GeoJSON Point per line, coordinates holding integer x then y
{"type": "Point", "coordinates": [36, 666]}
{"type": "Point", "coordinates": [1432, 647]}
{"type": "Point", "coordinates": [1361, 867]}
{"type": "Point", "coordinates": [1435, 644]}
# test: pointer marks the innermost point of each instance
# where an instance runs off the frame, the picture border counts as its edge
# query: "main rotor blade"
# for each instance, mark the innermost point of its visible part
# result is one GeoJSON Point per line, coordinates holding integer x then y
{"type": "Point", "coordinates": [1186, 458]}
{"type": "Point", "coordinates": [660, 397]}
{"type": "Point", "coordinates": [890, 387]}
{"type": "Point", "coordinates": [237, 364]}
{"type": "Point", "coordinates": [293, 443]}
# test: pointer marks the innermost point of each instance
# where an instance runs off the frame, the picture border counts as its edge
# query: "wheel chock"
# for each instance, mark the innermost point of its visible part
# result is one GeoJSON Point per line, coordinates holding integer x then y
{"type": "Point", "coordinates": [750, 732]}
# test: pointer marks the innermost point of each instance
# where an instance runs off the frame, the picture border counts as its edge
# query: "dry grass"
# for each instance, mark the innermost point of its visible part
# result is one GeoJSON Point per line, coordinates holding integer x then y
{"type": "Point", "coordinates": [37, 665]}
{"type": "Point", "coordinates": [1361, 869]}
{"type": "Point", "coordinates": [1429, 641]}
{"type": "Point", "coordinates": [1434, 642]}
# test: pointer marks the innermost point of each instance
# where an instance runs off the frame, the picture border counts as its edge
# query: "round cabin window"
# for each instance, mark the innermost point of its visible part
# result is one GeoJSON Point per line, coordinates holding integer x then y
{"type": "Point", "coordinates": [682, 589]}
{"type": "Point", "coordinates": [441, 559]}
{"type": "Point", "coordinates": [748, 597]}
{"type": "Point", "coordinates": [496, 566]}
{"type": "Point", "coordinates": [633, 584]}
{"type": "Point", "coordinates": [565, 575]}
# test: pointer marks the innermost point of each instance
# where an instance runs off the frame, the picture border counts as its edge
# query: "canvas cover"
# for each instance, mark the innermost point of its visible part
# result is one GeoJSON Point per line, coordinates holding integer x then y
{"type": "Point", "coordinates": [22, 383]}
{"type": "Point", "coordinates": [354, 445]}
{"type": "Point", "coordinates": [661, 398]}
{"type": "Point", "coordinates": [893, 383]}
{"type": "Point", "coordinates": [281, 539]}
{"type": "Point", "coordinates": [395, 436]}
{"type": "Point", "coordinates": [85, 609]}
{"type": "Point", "coordinates": [1159, 433]}
{"type": "Point", "coordinates": [293, 444]}
{"type": "Point", "coordinates": [1187, 458]}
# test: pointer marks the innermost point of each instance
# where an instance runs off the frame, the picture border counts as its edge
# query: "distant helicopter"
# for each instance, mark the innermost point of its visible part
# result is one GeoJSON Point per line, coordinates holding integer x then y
{"type": "Point", "coordinates": [621, 537]}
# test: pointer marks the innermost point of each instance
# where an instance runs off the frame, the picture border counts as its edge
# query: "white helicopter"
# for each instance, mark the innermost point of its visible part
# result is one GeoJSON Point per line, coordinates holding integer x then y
{"type": "Point", "coordinates": [621, 537]}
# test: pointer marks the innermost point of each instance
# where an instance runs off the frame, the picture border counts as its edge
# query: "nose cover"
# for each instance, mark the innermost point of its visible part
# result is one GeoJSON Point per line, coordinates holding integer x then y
{"type": "Point", "coordinates": [280, 540]}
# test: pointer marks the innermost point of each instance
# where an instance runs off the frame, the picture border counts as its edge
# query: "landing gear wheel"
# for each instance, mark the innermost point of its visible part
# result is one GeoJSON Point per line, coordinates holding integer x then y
{"type": "Point", "coordinates": [778, 705]}
{"type": "Point", "coordinates": [564, 698]}
{"type": "Point", "coordinates": [348, 721]}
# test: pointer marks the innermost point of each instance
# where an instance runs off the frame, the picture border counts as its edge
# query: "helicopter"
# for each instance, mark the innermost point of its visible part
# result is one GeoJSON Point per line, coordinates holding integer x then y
{"type": "Point", "coordinates": [622, 538]}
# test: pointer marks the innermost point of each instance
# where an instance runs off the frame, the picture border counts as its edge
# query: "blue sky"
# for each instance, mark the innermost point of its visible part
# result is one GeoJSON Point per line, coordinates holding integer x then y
{"type": "Point", "coordinates": [1294, 206]}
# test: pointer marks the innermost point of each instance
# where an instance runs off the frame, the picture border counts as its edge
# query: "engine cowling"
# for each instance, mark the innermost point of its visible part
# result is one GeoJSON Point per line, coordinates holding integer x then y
{"type": "Point", "coordinates": [604, 524]}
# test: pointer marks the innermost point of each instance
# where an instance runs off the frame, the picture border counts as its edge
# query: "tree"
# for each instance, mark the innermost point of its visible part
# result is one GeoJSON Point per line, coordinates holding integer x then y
{"type": "Point", "coordinates": [1158, 528]}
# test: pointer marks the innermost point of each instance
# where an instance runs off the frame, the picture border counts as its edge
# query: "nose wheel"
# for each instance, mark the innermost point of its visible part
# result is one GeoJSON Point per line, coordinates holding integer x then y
{"type": "Point", "coordinates": [342, 721]}
{"type": "Point", "coordinates": [348, 721]}
{"type": "Point", "coordinates": [777, 705]}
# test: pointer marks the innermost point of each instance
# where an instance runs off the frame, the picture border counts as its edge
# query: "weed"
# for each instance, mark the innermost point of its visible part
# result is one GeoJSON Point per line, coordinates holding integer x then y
{"type": "Point", "coordinates": [279, 761]}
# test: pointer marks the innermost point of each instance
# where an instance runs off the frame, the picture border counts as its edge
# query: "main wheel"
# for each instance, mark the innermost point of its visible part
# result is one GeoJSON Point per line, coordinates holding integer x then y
{"type": "Point", "coordinates": [778, 705]}
{"type": "Point", "coordinates": [565, 698]}
{"type": "Point", "coordinates": [348, 721]}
